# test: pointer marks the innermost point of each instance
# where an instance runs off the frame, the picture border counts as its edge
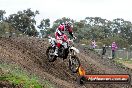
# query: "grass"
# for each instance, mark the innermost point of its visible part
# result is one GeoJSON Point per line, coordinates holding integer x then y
{"type": "Point", "coordinates": [17, 76]}
{"type": "Point", "coordinates": [123, 61]}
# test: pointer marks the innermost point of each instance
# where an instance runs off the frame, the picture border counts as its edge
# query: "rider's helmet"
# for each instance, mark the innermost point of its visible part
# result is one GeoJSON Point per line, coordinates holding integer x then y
{"type": "Point", "coordinates": [67, 25]}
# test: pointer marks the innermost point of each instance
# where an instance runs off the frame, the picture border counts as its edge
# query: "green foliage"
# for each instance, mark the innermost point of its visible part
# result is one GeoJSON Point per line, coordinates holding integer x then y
{"type": "Point", "coordinates": [24, 21]}
{"type": "Point", "coordinates": [63, 20]}
{"type": "Point", "coordinates": [105, 31]}
{"type": "Point", "coordinates": [2, 31]}
{"type": "Point", "coordinates": [97, 28]}
{"type": "Point", "coordinates": [17, 76]}
{"type": "Point", "coordinates": [124, 60]}
{"type": "Point", "coordinates": [2, 12]}
{"type": "Point", "coordinates": [6, 27]}
{"type": "Point", "coordinates": [101, 30]}
{"type": "Point", "coordinates": [85, 41]}
{"type": "Point", "coordinates": [44, 24]}
{"type": "Point", "coordinates": [121, 42]}
{"type": "Point", "coordinates": [44, 27]}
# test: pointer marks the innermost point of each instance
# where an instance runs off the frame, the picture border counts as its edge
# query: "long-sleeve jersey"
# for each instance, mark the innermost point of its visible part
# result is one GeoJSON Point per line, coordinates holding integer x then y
{"type": "Point", "coordinates": [60, 31]}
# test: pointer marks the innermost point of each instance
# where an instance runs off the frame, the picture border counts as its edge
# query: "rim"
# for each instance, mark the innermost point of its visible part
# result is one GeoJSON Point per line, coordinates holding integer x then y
{"type": "Point", "coordinates": [50, 55]}
{"type": "Point", "coordinates": [74, 64]}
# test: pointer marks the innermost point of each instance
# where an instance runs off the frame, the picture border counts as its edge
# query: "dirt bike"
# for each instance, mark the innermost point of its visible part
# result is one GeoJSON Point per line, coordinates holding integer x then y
{"type": "Point", "coordinates": [66, 49]}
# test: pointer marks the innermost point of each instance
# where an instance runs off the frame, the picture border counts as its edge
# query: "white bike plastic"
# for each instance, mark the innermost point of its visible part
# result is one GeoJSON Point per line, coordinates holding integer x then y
{"type": "Point", "coordinates": [75, 49]}
{"type": "Point", "coordinates": [52, 41]}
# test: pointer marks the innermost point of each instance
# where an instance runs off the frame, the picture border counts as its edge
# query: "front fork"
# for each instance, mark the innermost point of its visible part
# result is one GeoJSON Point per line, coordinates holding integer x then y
{"type": "Point", "coordinates": [72, 53]}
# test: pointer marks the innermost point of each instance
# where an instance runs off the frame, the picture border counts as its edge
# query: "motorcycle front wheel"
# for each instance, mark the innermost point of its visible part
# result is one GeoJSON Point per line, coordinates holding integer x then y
{"type": "Point", "coordinates": [49, 52]}
{"type": "Point", "coordinates": [74, 64]}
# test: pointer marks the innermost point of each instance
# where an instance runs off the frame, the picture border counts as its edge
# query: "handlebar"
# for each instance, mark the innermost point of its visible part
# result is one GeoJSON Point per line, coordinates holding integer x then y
{"type": "Point", "coordinates": [69, 41]}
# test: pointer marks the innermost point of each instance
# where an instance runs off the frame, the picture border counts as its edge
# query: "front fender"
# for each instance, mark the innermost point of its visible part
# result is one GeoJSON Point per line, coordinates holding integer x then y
{"type": "Point", "coordinates": [75, 49]}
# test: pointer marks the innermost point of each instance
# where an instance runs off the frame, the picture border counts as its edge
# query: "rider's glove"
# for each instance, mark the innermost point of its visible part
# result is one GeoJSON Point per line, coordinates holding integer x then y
{"type": "Point", "coordinates": [74, 37]}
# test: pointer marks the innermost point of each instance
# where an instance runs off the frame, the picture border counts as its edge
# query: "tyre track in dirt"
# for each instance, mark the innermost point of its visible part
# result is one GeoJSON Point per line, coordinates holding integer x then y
{"type": "Point", "coordinates": [30, 54]}
{"type": "Point", "coordinates": [49, 71]}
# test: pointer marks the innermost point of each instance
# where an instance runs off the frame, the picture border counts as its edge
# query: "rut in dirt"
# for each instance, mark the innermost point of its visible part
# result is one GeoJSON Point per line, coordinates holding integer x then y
{"type": "Point", "coordinates": [30, 53]}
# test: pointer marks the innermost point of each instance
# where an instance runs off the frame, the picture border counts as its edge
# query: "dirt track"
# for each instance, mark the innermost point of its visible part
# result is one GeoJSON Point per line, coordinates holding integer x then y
{"type": "Point", "coordinates": [29, 53]}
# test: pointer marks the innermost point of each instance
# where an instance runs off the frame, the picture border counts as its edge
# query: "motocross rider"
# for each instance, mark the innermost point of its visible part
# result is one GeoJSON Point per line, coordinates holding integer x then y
{"type": "Point", "coordinates": [59, 35]}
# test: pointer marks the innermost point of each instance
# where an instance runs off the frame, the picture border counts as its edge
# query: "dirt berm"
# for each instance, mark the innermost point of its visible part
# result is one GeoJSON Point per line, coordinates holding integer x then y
{"type": "Point", "coordinates": [29, 53]}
